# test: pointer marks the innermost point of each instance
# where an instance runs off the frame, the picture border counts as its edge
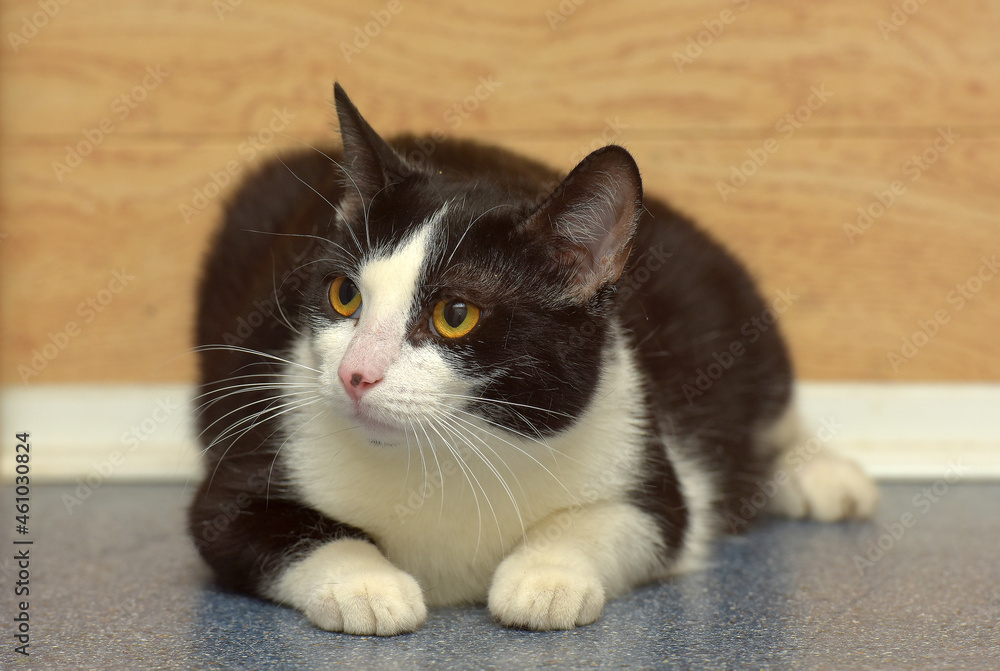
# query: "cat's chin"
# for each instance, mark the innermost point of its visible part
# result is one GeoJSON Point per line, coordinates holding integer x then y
{"type": "Point", "coordinates": [378, 432]}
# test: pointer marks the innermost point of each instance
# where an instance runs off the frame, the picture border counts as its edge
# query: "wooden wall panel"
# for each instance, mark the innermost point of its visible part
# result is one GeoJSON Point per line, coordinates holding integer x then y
{"type": "Point", "coordinates": [606, 72]}
{"type": "Point", "coordinates": [605, 59]}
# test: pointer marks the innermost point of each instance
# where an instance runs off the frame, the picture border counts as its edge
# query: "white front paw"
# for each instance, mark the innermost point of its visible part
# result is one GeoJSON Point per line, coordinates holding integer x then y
{"type": "Point", "coordinates": [349, 586]}
{"type": "Point", "coordinates": [384, 602]}
{"type": "Point", "coordinates": [535, 595]}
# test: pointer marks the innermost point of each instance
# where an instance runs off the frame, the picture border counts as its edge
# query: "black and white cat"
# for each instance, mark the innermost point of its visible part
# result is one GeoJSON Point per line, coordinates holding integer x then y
{"type": "Point", "coordinates": [435, 372]}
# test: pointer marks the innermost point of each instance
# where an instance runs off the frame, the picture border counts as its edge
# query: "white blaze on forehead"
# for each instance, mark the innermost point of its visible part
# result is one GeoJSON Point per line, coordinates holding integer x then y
{"type": "Point", "coordinates": [388, 284]}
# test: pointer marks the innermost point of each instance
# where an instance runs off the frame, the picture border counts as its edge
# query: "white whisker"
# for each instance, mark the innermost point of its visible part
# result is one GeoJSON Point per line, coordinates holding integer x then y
{"type": "Point", "coordinates": [256, 420]}
{"type": "Point", "coordinates": [493, 469]}
{"type": "Point", "coordinates": [270, 471]}
{"type": "Point", "coordinates": [472, 425]}
{"type": "Point", "coordinates": [467, 228]}
{"type": "Point", "coordinates": [245, 389]}
{"type": "Point", "coordinates": [469, 477]}
{"type": "Point", "coordinates": [266, 399]}
{"type": "Point", "coordinates": [440, 472]}
{"type": "Point", "coordinates": [247, 350]}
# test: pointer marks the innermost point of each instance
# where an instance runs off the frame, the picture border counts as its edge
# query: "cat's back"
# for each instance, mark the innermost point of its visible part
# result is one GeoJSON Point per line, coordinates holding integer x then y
{"type": "Point", "coordinates": [705, 336]}
{"type": "Point", "coordinates": [683, 298]}
{"type": "Point", "coordinates": [260, 239]}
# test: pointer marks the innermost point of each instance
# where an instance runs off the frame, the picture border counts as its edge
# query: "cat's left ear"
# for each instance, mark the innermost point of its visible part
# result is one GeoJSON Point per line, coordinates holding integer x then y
{"type": "Point", "coordinates": [590, 219]}
{"type": "Point", "coordinates": [370, 162]}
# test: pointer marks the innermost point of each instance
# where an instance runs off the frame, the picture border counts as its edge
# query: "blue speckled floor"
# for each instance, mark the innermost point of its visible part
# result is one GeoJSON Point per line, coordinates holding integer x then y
{"type": "Point", "coordinates": [116, 585]}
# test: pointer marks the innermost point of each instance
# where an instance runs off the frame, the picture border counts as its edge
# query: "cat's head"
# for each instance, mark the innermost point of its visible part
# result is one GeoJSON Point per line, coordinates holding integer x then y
{"type": "Point", "coordinates": [449, 297]}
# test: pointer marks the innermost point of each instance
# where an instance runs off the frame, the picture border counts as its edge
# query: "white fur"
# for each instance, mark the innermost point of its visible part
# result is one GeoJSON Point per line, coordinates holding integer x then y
{"type": "Point", "coordinates": [571, 562]}
{"type": "Point", "coordinates": [349, 586]}
{"type": "Point", "coordinates": [466, 509]}
{"type": "Point", "coordinates": [700, 492]}
{"type": "Point", "coordinates": [448, 520]}
{"type": "Point", "coordinates": [834, 488]}
{"type": "Point", "coordinates": [388, 283]}
{"type": "Point", "coordinates": [819, 484]}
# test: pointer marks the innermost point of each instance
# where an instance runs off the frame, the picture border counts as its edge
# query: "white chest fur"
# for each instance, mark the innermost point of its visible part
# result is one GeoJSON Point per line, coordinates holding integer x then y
{"type": "Point", "coordinates": [447, 508]}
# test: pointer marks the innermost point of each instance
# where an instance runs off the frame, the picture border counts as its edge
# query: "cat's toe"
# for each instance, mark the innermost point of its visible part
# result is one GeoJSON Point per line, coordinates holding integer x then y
{"type": "Point", "coordinates": [382, 603]}
{"type": "Point", "coordinates": [834, 488]}
{"type": "Point", "coordinates": [545, 597]}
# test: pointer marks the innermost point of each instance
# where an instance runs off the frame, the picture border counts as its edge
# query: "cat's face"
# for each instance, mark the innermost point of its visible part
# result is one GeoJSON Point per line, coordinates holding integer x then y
{"type": "Point", "coordinates": [442, 301]}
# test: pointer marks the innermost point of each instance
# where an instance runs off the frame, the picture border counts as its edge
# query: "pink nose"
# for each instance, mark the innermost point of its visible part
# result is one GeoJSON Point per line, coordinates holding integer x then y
{"type": "Point", "coordinates": [356, 383]}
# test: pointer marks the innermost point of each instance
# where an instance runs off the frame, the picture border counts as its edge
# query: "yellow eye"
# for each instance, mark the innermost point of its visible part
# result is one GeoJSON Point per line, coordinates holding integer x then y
{"type": "Point", "coordinates": [453, 319]}
{"type": "Point", "coordinates": [344, 296]}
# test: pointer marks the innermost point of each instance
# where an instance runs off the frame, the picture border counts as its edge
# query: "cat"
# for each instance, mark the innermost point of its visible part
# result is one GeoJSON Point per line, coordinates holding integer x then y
{"type": "Point", "coordinates": [436, 372]}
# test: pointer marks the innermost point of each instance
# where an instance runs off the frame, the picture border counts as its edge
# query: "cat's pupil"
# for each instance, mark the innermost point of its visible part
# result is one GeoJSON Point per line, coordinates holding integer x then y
{"type": "Point", "coordinates": [347, 292]}
{"type": "Point", "coordinates": [455, 313]}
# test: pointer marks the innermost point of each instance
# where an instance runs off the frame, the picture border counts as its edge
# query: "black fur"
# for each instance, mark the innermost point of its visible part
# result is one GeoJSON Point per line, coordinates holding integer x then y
{"type": "Point", "coordinates": [680, 298]}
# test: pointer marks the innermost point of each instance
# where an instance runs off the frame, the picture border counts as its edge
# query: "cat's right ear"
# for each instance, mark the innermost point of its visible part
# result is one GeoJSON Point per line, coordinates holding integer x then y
{"type": "Point", "coordinates": [370, 163]}
{"type": "Point", "coordinates": [588, 222]}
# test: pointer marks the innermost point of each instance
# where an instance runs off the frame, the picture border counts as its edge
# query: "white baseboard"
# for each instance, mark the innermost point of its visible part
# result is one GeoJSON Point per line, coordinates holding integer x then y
{"type": "Point", "coordinates": [114, 432]}
{"type": "Point", "coordinates": [143, 433]}
{"type": "Point", "coordinates": [911, 431]}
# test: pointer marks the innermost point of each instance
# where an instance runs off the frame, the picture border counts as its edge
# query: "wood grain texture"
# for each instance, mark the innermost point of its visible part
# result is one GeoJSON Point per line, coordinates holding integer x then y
{"type": "Point", "coordinates": [203, 88]}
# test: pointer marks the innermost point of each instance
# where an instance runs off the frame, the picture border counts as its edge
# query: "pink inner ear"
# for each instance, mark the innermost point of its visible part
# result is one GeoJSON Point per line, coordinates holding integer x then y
{"type": "Point", "coordinates": [601, 229]}
{"type": "Point", "coordinates": [593, 215]}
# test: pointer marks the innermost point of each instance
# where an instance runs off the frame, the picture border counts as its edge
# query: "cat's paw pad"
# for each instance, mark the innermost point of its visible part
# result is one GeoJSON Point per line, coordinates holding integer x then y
{"type": "Point", "coordinates": [834, 488]}
{"type": "Point", "coordinates": [379, 602]}
{"type": "Point", "coordinates": [542, 597]}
